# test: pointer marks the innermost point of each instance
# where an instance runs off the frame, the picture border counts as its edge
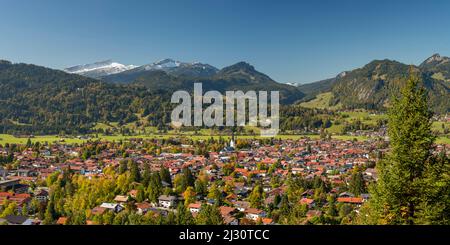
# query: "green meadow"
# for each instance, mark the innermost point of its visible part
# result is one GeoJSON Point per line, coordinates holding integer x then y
{"type": "Point", "coordinates": [6, 138]}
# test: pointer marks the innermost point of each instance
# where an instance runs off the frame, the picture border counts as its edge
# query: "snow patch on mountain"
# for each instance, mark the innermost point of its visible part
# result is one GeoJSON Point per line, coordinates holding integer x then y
{"type": "Point", "coordinates": [99, 69]}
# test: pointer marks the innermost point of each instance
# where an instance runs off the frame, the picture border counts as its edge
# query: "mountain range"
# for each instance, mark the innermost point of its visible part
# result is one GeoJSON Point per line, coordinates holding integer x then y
{"type": "Point", "coordinates": [37, 99]}
{"type": "Point", "coordinates": [170, 75]}
{"type": "Point", "coordinates": [373, 85]}
{"type": "Point", "coordinates": [99, 69]}
{"type": "Point", "coordinates": [41, 100]}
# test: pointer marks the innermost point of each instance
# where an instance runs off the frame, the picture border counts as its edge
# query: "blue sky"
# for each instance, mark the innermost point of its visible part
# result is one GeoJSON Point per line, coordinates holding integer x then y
{"type": "Point", "coordinates": [291, 41]}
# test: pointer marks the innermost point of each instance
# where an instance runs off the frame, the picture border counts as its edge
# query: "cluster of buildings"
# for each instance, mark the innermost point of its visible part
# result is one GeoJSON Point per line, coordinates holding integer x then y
{"type": "Point", "coordinates": [330, 160]}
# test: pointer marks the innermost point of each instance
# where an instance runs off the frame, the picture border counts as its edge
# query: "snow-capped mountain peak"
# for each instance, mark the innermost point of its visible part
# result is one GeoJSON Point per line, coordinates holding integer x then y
{"type": "Point", "coordinates": [99, 69]}
{"type": "Point", "coordinates": [163, 64]}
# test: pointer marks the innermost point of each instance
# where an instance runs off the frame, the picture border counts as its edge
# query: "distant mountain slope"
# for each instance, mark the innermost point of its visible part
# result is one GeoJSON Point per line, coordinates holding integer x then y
{"type": "Point", "coordinates": [240, 76]}
{"type": "Point", "coordinates": [99, 69]}
{"type": "Point", "coordinates": [438, 67]}
{"type": "Point", "coordinates": [170, 66]}
{"type": "Point", "coordinates": [43, 100]}
{"type": "Point", "coordinates": [40, 100]}
{"type": "Point", "coordinates": [372, 86]}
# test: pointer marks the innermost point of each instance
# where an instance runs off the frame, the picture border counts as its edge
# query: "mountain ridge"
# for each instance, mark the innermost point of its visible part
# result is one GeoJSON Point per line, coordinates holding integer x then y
{"type": "Point", "coordinates": [373, 85]}
{"type": "Point", "coordinates": [99, 69]}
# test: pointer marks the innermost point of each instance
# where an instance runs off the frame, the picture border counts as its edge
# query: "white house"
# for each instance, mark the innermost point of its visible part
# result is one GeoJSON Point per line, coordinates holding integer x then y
{"type": "Point", "coordinates": [167, 201]}
{"type": "Point", "coordinates": [112, 206]}
{"type": "Point", "coordinates": [254, 213]}
{"type": "Point", "coordinates": [195, 207]}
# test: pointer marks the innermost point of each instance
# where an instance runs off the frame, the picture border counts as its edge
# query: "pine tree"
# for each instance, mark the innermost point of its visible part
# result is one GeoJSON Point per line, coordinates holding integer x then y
{"type": "Point", "coordinates": [209, 215]}
{"type": "Point", "coordinates": [146, 175]}
{"type": "Point", "coordinates": [256, 196]}
{"type": "Point", "coordinates": [408, 174]}
{"type": "Point", "coordinates": [134, 171]}
{"type": "Point", "coordinates": [357, 186]}
{"type": "Point", "coordinates": [165, 176]}
{"type": "Point", "coordinates": [49, 217]}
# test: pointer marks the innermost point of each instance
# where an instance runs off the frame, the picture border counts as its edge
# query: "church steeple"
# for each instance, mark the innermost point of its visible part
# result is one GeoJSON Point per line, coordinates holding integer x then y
{"type": "Point", "coordinates": [232, 139]}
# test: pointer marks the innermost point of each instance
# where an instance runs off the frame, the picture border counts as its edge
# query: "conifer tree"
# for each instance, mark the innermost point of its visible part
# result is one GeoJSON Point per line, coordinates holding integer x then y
{"type": "Point", "coordinates": [410, 180]}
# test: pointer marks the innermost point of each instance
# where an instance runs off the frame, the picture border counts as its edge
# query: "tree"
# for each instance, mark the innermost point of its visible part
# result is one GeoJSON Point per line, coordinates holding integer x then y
{"type": "Point", "coordinates": [29, 143]}
{"type": "Point", "coordinates": [189, 196]}
{"type": "Point", "coordinates": [154, 188]}
{"type": "Point", "coordinates": [357, 185]}
{"type": "Point", "coordinates": [122, 166]}
{"type": "Point", "coordinates": [215, 193]}
{"type": "Point", "coordinates": [332, 210]}
{"type": "Point", "coordinates": [146, 175]}
{"type": "Point", "coordinates": [10, 209]}
{"type": "Point", "coordinates": [179, 183]}
{"type": "Point", "coordinates": [50, 214]}
{"type": "Point", "coordinates": [409, 172]}
{"type": "Point", "coordinates": [188, 176]}
{"type": "Point", "coordinates": [256, 197]}
{"type": "Point", "coordinates": [135, 174]}
{"type": "Point", "coordinates": [209, 215]}
{"type": "Point", "coordinates": [165, 175]}
{"type": "Point", "coordinates": [140, 196]}
{"type": "Point", "coordinates": [201, 185]}
{"type": "Point", "coordinates": [183, 216]}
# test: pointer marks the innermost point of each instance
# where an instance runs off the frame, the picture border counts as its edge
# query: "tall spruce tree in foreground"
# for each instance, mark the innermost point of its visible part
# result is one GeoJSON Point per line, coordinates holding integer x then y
{"type": "Point", "coordinates": [413, 184]}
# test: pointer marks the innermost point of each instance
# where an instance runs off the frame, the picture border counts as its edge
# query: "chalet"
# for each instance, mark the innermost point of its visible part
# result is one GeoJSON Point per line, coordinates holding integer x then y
{"type": "Point", "coordinates": [267, 221]}
{"type": "Point", "coordinates": [346, 194]}
{"type": "Point", "coordinates": [254, 213]}
{"type": "Point", "coordinates": [241, 205]}
{"type": "Point", "coordinates": [121, 199]}
{"type": "Point", "coordinates": [133, 193]}
{"type": "Point", "coordinates": [227, 214]}
{"type": "Point", "coordinates": [41, 195]}
{"type": "Point", "coordinates": [98, 210]}
{"type": "Point", "coordinates": [195, 207]}
{"type": "Point", "coordinates": [18, 220]}
{"type": "Point", "coordinates": [308, 201]}
{"type": "Point", "coordinates": [6, 185]}
{"type": "Point", "coordinates": [112, 206]}
{"type": "Point", "coordinates": [350, 200]}
{"type": "Point", "coordinates": [143, 207]}
{"type": "Point", "coordinates": [167, 201]}
{"type": "Point", "coordinates": [61, 221]}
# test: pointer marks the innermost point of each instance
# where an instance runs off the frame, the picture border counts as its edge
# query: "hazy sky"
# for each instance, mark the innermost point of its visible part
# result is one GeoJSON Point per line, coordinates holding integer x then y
{"type": "Point", "coordinates": [291, 41]}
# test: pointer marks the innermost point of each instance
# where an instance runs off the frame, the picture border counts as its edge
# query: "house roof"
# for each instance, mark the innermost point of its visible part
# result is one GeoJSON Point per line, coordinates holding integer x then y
{"type": "Point", "coordinates": [195, 205]}
{"type": "Point", "coordinates": [267, 221]}
{"type": "Point", "coordinates": [121, 198]}
{"type": "Point", "coordinates": [98, 210]}
{"type": "Point", "coordinates": [61, 220]}
{"type": "Point", "coordinates": [166, 198]}
{"type": "Point", "coordinates": [308, 201]}
{"type": "Point", "coordinates": [16, 219]}
{"type": "Point", "coordinates": [253, 211]}
{"type": "Point", "coordinates": [224, 211]}
{"type": "Point", "coordinates": [143, 205]}
{"type": "Point", "coordinates": [355, 200]}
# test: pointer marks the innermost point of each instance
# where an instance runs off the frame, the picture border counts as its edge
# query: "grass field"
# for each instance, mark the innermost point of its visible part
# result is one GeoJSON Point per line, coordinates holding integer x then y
{"type": "Point", "coordinates": [437, 126]}
{"type": "Point", "coordinates": [5, 138]}
{"type": "Point", "coordinates": [443, 140]}
{"type": "Point", "coordinates": [322, 101]}
{"type": "Point", "coordinates": [364, 116]}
